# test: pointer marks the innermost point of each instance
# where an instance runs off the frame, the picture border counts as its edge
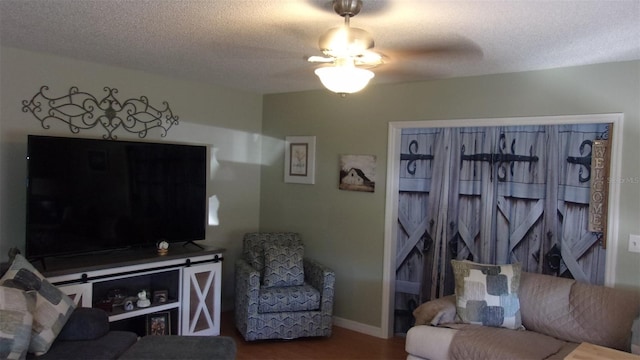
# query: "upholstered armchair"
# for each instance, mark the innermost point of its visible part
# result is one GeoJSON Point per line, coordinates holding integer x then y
{"type": "Point", "coordinates": [280, 294]}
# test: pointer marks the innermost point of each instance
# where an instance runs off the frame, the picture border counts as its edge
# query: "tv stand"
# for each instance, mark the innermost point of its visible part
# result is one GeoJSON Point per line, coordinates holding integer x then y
{"type": "Point", "coordinates": [186, 283]}
{"type": "Point", "coordinates": [43, 263]}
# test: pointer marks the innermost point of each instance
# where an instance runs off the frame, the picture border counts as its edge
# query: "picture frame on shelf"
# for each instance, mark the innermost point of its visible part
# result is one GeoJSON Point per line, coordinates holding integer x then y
{"type": "Point", "coordinates": [299, 159]}
{"type": "Point", "coordinates": [160, 296]}
{"type": "Point", "coordinates": [159, 323]}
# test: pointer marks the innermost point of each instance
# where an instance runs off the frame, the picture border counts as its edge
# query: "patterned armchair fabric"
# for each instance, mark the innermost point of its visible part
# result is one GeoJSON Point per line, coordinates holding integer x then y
{"type": "Point", "coordinates": [281, 312]}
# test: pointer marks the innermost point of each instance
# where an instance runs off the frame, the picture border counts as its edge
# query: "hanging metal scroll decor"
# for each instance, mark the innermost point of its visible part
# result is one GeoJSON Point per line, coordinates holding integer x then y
{"type": "Point", "coordinates": [83, 111]}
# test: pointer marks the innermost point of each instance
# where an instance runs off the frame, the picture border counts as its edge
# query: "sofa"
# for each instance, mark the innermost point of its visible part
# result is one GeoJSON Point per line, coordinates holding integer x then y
{"type": "Point", "coordinates": [553, 316]}
{"type": "Point", "coordinates": [86, 335]}
{"type": "Point", "coordinates": [39, 321]}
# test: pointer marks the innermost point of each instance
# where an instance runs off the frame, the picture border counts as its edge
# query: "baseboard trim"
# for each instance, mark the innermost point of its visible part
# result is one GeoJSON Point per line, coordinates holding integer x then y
{"type": "Point", "coordinates": [358, 327]}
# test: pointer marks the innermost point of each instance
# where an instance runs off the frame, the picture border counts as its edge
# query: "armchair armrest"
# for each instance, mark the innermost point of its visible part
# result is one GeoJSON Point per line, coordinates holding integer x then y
{"type": "Point", "coordinates": [247, 288]}
{"type": "Point", "coordinates": [435, 312]}
{"type": "Point", "coordinates": [322, 278]}
{"type": "Point", "coordinates": [85, 324]}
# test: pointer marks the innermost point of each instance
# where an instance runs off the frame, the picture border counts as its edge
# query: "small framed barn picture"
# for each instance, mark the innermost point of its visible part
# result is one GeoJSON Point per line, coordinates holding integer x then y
{"type": "Point", "coordinates": [300, 159]}
{"type": "Point", "coordinates": [358, 173]}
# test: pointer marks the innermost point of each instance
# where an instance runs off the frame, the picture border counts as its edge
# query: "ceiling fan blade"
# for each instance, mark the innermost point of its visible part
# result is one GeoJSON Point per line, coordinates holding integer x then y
{"type": "Point", "coordinates": [396, 74]}
{"type": "Point", "coordinates": [320, 59]}
{"type": "Point", "coordinates": [453, 47]}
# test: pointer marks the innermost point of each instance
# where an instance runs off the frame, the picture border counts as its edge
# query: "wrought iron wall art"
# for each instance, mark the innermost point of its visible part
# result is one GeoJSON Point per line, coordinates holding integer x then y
{"type": "Point", "coordinates": [83, 111]}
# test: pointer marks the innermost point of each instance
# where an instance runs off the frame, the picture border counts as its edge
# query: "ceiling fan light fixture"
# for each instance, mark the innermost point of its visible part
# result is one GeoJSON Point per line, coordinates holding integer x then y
{"type": "Point", "coordinates": [344, 79]}
{"type": "Point", "coordinates": [345, 47]}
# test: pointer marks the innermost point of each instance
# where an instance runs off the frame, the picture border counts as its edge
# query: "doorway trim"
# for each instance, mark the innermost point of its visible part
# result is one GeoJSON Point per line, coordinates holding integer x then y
{"type": "Point", "coordinates": [393, 171]}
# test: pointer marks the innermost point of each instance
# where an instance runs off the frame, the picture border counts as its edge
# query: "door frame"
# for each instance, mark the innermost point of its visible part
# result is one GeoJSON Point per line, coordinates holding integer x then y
{"type": "Point", "coordinates": [393, 173]}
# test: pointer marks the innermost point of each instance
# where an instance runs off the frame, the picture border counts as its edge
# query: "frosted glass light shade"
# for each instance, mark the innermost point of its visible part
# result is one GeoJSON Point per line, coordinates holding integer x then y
{"type": "Point", "coordinates": [344, 79]}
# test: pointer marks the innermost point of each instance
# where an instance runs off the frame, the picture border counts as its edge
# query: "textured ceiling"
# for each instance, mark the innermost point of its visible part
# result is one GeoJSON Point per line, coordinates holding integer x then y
{"type": "Point", "coordinates": [260, 45]}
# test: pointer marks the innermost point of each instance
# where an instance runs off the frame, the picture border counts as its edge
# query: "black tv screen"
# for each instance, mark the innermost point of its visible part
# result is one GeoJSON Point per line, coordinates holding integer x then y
{"type": "Point", "coordinates": [86, 195]}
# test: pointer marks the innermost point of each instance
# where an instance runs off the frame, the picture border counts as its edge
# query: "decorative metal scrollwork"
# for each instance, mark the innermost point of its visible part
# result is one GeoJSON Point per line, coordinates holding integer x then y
{"type": "Point", "coordinates": [501, 158]}
{"type": "Point", "coordinates": [82, 111]}
{"type": "Point", "coordinates": [583, 161]}
{"type": "Point", "coordinates": [413, 156]}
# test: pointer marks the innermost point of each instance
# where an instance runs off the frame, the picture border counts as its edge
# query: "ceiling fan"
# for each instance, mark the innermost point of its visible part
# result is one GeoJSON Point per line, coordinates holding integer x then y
{"type": "Point", "coordinates": [346, 41]}
{"type": "Point", "coordinates": [347, 53]}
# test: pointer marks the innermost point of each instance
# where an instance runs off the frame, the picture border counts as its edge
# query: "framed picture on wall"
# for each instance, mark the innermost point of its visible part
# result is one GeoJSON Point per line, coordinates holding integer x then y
{"type": "Point", "coordinates": [300, 159]}
{"type": "Point", "coordinates": [358, 173]}
{"type": "Point", "coordinates": [159, 324]}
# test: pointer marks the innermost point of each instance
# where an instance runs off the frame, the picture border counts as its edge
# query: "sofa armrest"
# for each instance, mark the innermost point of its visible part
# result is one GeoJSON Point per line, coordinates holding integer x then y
{"type": "Point", "coordinates": [85, 324]}
{"type": "Point", "coordinates": [322, 278]}
{"type": "Point", "coordinates": [435, 312]}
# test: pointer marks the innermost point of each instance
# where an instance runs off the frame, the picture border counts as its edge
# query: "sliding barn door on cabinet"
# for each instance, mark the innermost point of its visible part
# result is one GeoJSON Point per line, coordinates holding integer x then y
{"type": "Point", "coordinates": [201, 299]}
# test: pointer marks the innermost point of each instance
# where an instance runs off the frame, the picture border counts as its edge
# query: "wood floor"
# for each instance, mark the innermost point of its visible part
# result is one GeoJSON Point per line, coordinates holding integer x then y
{"type": "Point", "coordinates": [342, 345]}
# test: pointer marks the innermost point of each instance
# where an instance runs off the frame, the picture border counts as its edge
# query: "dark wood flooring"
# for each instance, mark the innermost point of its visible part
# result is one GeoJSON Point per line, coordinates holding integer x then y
{"type": "Point", "coordinates": [343, 344]}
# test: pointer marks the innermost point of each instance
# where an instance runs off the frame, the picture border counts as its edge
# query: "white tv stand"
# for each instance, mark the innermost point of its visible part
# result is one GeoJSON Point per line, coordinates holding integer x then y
{"type": "Point", "coordinates": [191, 277]}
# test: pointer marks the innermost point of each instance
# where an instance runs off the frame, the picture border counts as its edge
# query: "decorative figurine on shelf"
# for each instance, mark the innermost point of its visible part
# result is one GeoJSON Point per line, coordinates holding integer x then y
{"type": "Point", "coordinates": [128, 305]}
{"type": "Point", "coordinates": [143, 302]}
{"type": "Point", "coordinates": [163, 247]}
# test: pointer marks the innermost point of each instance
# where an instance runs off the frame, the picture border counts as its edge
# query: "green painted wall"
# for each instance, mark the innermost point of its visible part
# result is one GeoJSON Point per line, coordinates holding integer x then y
{"type": "Point", "coordinates": [340, 228]}
{"type": "Point", "coordinates": [226, 120]}
{"type": "Point", "coordinates": [346, 229]}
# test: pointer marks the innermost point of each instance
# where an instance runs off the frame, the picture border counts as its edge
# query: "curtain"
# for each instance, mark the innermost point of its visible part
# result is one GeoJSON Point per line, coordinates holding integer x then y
{"type": "Point", "coordinates": [495, 195]}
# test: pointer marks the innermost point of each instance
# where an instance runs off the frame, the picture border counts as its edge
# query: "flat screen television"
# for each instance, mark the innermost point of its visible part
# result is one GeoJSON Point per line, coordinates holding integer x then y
{"type": "Point", "coordinates": [86, 195]}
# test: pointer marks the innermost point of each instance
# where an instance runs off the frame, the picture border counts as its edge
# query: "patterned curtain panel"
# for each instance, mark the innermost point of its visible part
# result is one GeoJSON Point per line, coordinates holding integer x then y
{"type": "Point", "coordinates": [495, 195]}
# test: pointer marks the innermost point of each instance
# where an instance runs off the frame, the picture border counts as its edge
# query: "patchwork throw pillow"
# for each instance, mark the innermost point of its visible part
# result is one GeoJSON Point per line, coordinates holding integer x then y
{"type": "Point", "coordinates": [487, 294]}
{"type": "Point", "coordinates": [283, 265]}
{"type": "Point", "coordinates": [15, 322]}
{"type": "Point", "coordinates": [52, 307]}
